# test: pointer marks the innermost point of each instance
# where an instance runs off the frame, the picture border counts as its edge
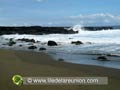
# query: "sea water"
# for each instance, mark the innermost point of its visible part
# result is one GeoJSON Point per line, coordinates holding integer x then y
{"type": "Point", "coordinates": [94, 44]}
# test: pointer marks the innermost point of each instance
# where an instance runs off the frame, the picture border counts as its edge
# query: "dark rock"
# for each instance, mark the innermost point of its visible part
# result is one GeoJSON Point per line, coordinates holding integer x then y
{"type": "Point", "coordinates": [27, 40]}
{"type": "Point", "coordinates": [34, 30]}
{"type": "Point", "coordinates": [11, 42]}
{"type": "Point", "coordinates": [70, 38]}
{"type": "Point", "coordinates": [109, 55]}
{"type": "Point", "coordinates": [4, 44]}
{"type": "Point", "coordinates": [11, 39]}
{"type": "Point", "coordinates": [52, 43]}
{"type": "Point", "coordinates": [32, 47]}
{"type": "Point", "coordinates": [61, 60]}
{"type": "Point", "coordinates": [98, 28]}
{"type": "Point", "coordinates": [42, 49]}
{"type": "Point", "coordinates": [76, 42]}
{"type": "Point", "coordinates": [37, 41]}
{"type": "Point", "coordinates": [6, 39]}
{"type": "Point", "coordinates": [102, 58]}
{"type": "Point", "coordinates": [20, 45]}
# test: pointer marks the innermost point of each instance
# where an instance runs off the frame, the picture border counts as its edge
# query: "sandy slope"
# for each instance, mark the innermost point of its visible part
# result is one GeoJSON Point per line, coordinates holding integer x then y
{"type": "Point", "coordinates": [40, 64]}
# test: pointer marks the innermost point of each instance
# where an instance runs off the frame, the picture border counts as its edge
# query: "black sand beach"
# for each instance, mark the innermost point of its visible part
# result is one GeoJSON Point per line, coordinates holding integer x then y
{"type": "Point", "coordinates": [41, 65]}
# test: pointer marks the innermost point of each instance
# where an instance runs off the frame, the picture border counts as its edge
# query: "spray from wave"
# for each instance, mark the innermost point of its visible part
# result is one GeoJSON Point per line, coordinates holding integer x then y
{"type": "Point", "coordinates": [76, 28]}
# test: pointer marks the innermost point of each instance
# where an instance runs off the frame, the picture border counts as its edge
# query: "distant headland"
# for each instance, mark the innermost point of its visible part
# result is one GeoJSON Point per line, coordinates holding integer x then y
{"type": "Point", "coordinates": [39, 30]}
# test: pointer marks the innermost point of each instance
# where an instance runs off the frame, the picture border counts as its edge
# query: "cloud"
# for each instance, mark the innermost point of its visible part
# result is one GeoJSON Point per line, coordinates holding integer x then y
{"type": "Point", "coordinates": [93, 16]}
{"type": "Point", "coordinates": [97, 19]}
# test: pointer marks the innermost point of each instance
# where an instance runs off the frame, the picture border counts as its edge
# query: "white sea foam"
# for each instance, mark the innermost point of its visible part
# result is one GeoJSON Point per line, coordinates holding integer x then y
{"type": "Point", "coordinates": [109, 37]}
{"type": "Point", "coordinates": [103, 42]}
{"type": "Point", "coordinates": [107, 40]}
{"type": "Point", "coordinates": [76, 28]}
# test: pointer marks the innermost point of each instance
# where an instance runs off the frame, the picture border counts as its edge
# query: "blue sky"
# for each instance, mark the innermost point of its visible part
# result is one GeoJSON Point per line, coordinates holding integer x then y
{"type": "Point", "coordinates": [59, 12]}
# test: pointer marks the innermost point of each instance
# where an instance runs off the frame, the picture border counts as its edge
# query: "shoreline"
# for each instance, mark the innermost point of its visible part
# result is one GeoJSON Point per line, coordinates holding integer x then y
{"type": "Point", "coordinates": [64, 60]}
{"type": "Point", "coordinates": [40, 64]}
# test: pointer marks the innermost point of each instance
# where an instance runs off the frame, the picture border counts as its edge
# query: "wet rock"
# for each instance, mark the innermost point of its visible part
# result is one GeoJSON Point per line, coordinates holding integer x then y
{"type": "Point", "coordinates": [70, 38]}
{"type": "Point", "coordinates": [42, 49]}
{"type": "Point", "coordinates": [32, 47]}
{"type": "Point", "coordinates": [4, 44]}
{"type": "Point", "coordinates": [34, 30]}
{"type": "Point", "coordinates": [6, 39]}
{"type": "Point", "coordinates": [102, 58]}
{"type": "Point", "coordinates": [52, 43]}
{"type": "Point", "coordinates": [60, 60]}
{"type": "Point", "coordinates": [77, 42]}
{"type": "Point", "coordinates": [27, 40]}
{"type": "Point", "coordinates": [11, 42]}
{"type": "Point", "coordinates": [109, 55]}
{"type": "Point", "coordinates": [37, 41]}
{"type": "Point", "coordinates": [20, 45]}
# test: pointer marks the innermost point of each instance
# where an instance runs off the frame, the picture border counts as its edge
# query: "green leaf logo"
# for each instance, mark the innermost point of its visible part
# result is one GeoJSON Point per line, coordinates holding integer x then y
{"type": "Point", "coordinates": [17, 80]}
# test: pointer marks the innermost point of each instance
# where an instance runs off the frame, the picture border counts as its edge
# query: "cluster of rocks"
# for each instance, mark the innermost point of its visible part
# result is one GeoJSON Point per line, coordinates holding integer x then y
{"type": "Point", "coordinates": [34, 47]}
{"type": "Point", "coordinates": [50, 43]}
{"type": "Point", "coordinates": [11, 42]}
{"type": "Point", "coordinates": [53, 43]}
{"type": "Point", "coordinates": [27, 40]}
